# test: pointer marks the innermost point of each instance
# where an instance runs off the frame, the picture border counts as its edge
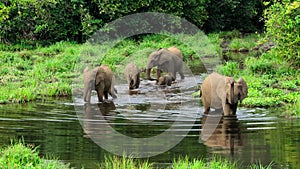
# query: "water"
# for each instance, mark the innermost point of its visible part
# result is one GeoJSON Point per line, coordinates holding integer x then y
{"type": "Point", "coordinates": [71, 130]}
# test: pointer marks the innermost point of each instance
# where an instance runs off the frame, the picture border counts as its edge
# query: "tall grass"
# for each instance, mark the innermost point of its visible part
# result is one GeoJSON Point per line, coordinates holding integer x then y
{"type": "Point", "coordinates": [22, 157]}
{"type": "Point", "coordinates": [17, 155]}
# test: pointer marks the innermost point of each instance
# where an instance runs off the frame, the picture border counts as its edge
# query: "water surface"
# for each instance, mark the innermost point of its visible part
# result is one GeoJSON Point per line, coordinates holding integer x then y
{"type": "Point", "coordinates": [252, 136]}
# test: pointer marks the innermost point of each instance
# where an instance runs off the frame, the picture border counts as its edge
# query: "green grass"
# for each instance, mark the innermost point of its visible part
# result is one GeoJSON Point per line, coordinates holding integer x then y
{"type": "Point", "coordinates": [28, 75]}
{"type": "Point", "coordinates": [247, 42]}
{"type": "Point", "coordinates": [216, 163]}
{"type": "Point", "coordinates": [17, 155]}
{"type": "Point", "coordinates": [22, 157]}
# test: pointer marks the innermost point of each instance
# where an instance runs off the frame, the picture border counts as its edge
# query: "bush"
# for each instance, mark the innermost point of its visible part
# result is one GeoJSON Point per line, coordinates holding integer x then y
{"type": "Point", "coordinates": [283, 28]}
{"type": "Point", "coordinates": [229, 69]}
{"type": "Point", "coordinates": [49, 21]}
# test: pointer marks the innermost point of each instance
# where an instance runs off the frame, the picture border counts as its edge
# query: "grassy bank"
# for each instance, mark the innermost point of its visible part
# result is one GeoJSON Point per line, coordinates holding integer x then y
{"type": "Point", "coordinates": [20, 156]}
{"type": "Point", "coordinates": [29, 73]}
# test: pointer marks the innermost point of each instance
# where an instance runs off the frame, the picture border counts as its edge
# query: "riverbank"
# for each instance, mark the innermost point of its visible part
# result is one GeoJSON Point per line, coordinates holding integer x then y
{"type": "Point", "coordinates": [33, 72]}
{"type": "Point", "coordinates": [20, 156]}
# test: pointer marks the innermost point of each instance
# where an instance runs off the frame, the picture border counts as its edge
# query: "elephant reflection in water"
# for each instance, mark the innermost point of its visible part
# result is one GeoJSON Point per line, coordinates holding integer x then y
{"type": "Point", "coordinates": [96, 119]}
{"type": "Point", "coordinates": [222, 132]}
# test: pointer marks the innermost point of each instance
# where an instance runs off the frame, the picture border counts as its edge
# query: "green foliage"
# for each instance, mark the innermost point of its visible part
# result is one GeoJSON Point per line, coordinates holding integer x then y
{"type": "Point", "coordinates": [22, 157]}
{"type": "Point", "coordinates": [243, 43]}
{"type": "Point", "coordinates": [242, 15]}
{"type": "Point", "coordinates": [261, 66]}
{"type": "Point", "coordinates": [113, 162]}
{"type": "Point", "coordinates": [229, 69]}
{"type": "Point", "coordinates": [48, 21]}
{"type": "Point", "coordinates": [31, 74]}
{"type": "Point", "coordinates": [283, 28]}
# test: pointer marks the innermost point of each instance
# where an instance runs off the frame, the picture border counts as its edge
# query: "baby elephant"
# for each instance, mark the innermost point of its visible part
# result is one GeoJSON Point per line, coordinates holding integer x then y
{"type": "Point", "coordinates": [165, 80]}
{"type": "Point", "coordinates": [132, 75]}
{"type": "Point", "coordinates": [222, 92]}
{"type": "Point", "coordinates": [102, 80]}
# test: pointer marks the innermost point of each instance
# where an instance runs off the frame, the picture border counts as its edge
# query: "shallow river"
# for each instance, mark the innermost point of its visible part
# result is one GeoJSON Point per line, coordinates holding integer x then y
{"type": "Point", "coordinates": [154, 122]}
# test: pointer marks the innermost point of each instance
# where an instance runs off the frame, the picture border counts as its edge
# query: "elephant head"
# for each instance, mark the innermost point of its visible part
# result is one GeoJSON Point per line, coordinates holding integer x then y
{"type": "Point", "coordinates": [155, 59]}
{"type": "Point", "coordinates": [165, 60]}
{"type": "Point", "coordinates": [100, 79]}
{"type": "Point", "coordinates": [89, 83]}
{"type": "Point", "coordinates": [236, 91]}
{"type": "Point", "coordinates": [165, 80]}
{"type": "Point", "coordinates": [224, 92]}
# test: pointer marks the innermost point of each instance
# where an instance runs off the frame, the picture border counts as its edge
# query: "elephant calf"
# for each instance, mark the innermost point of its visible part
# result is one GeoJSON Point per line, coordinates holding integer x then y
{"type": "Point", "coordinates": [132, 75]}
{"type": "Point", "coordinates": [165, 80]}
{"type": "Point", "coordinates": [222, 92]}
{"type": "Point", "coordinates": [102, 80]}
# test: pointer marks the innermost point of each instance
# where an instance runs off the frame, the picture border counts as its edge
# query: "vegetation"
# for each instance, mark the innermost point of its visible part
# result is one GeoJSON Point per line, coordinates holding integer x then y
{"type": "Point", "coordinates": [27, 75]}
{"type": "Point", "coordinates": [18, 155]}
{"type": "Point", "coordinates": [51, 21]}
{"type": "Point", "coordinates": [283, 28]}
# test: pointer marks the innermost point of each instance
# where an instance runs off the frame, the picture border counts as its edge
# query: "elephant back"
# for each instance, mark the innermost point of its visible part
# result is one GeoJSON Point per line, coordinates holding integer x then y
{"type": "Point", "coordinates": [176, 51]}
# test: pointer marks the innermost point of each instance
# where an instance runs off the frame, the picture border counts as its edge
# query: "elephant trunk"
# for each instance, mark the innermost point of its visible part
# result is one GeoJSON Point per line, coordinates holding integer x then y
{"type": "Point", "coordinates": [148, 70]}
{"type": "Point", "coordinates": [87, 94]}
{"type": "Point", "coordinates": [231, 93]}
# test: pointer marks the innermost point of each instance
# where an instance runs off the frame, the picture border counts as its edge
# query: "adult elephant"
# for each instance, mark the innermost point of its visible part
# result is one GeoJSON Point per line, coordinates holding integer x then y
{"type": "Point", "coordinates": [152, 62]}
{"type": "Point", "coordinates": [167, 60]}
{"type": "Point", "coordinates": [102, 80]}
{"type": "Point", "coordinates": [222, 92]}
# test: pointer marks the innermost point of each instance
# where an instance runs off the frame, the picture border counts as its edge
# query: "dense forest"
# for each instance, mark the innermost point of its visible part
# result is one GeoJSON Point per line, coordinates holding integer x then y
{"type": "Point", "coordinates": [76, 20]}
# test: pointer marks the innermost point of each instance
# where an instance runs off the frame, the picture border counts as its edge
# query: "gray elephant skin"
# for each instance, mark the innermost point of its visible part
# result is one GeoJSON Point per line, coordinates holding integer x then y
{"type": "Point", "coordinates": [160, 59]}
{"type": "Point", "coordinates": [102, 80]}
{"type": "Point", "coordinates": [132, 75]}
{"type": "Point", "coordinates": [223, 92]}
{"type": "Point", "coordinates": [165, 80]}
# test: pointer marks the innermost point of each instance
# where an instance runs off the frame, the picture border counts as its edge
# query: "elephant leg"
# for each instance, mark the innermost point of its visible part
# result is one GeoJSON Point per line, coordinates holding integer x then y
{"type": "Point", "coordinates": [233, 109]}
{"type": "Point", "coordinates": [148, 72]}
{"type": "Point", "coordinates": [158, 73]}
{"type": "Point", "coordinates": [174, 76]}
{"type": "Point", "coordinates": [88, 96]}
{"type": "Point", "coordinates": [100, 95]}
{"type": "Point", "coordinates": [181, 74]}
{"type": "Point", "coordinates": [100, 90]}
{"type": "Point", "coordinates": [137, 81]}
{"type": "Point", "coordinates": [106, 95]}
{"type": "Point", "coordinates": [226, 109]}
{"type": "Point", "coordinates": [205, 106]}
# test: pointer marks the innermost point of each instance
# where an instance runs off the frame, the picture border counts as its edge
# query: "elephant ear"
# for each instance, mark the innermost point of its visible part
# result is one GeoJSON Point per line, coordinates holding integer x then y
{"type": "Point", "coordinates": [157, 55]}
{"type": "Point", "coordinates": [244, 86]}
{"type": "Point", "coordinates": [165, 56]}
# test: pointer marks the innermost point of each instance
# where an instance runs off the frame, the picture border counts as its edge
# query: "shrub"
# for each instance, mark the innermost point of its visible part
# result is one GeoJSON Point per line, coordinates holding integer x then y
{"type": "Point", "coordinates": [283, 28]}
{"type": "Point", "coordinates": [229, 69]}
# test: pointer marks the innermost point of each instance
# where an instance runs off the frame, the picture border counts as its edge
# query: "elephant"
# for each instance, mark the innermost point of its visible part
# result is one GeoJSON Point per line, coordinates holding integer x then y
{"type": "Point", "coordinates": [165, 80]}
{"type": "Point", "coordinates": [102, 80]}
{"type": "Point", "coordinates": [132, 75]}
{"type": "Point", "coordinates": [222, 92]}
{"type": "Point", "coordinates": [165, 60]}
{"type": "Point", "coordinates": [152, 61]}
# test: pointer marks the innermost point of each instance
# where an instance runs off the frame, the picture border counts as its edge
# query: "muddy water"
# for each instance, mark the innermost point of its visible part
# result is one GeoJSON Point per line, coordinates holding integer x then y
{"type": "Point", "coordinates": [73, 131]}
